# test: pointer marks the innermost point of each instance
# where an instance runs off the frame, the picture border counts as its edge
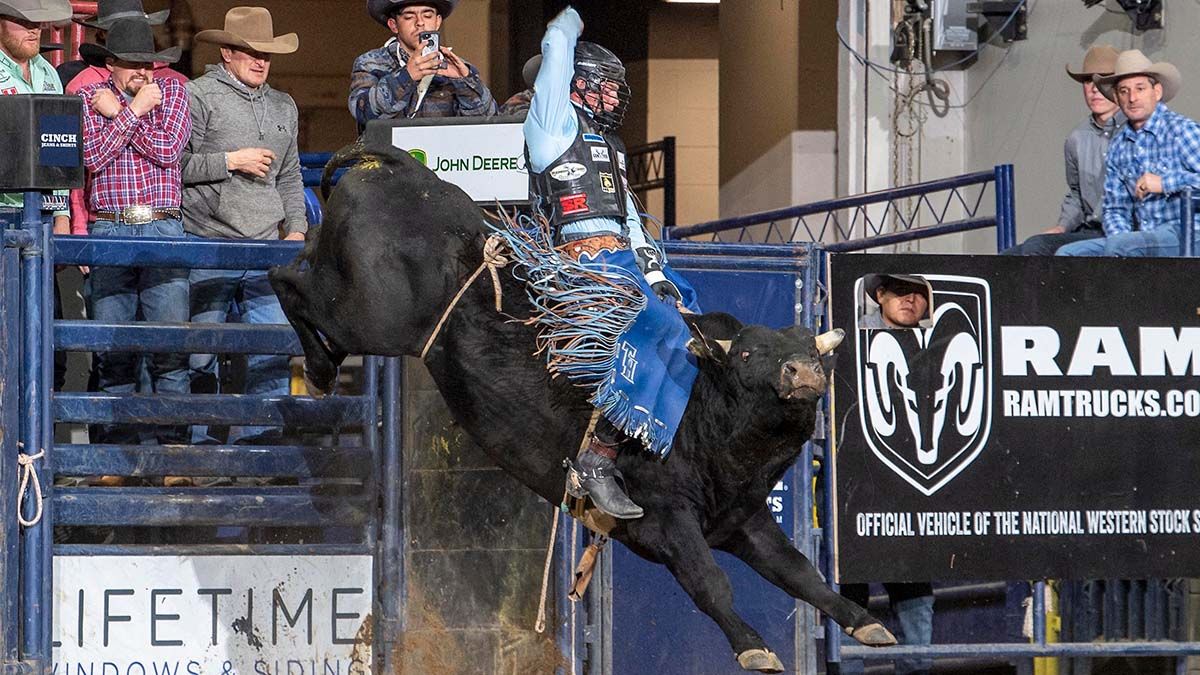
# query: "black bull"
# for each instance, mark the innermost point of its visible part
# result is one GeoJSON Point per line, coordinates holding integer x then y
{"type": "Point", "coordinates": [398, 244]}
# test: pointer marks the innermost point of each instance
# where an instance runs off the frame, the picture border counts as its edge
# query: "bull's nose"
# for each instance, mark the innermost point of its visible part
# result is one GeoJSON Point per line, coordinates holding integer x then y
{"type": "Point", "coordinates": [797, 376]}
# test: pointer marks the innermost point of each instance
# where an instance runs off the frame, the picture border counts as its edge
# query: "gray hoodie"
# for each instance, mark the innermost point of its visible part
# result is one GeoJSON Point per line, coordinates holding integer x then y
{"type": "Point", "coordinates": [228, 116]}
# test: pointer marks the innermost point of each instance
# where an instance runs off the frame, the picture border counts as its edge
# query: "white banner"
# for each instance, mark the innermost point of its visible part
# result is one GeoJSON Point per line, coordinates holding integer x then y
{"type": "Point", "coordinates": [486, 160]}
{"type": "Point", "coordinates": [212, 615]}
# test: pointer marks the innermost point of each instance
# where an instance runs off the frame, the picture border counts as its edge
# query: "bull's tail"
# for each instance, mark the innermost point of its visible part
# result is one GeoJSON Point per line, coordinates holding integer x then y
{"type": "Point", "coordinates": [355, 153]}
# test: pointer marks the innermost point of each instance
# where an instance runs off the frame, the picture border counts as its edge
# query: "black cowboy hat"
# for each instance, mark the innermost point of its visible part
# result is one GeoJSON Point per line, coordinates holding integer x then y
{"type": "Point", "coordinates": [382, 10]}
{"type": "Point", "coordinates": [109, 12]}
{"type": "Point", "coordinates": [128, 40]}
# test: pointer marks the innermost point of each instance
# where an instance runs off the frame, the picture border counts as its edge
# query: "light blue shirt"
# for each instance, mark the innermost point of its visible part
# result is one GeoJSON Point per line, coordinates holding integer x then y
{"type": "Point", "coordinates": [1167, 145]}
{"type": "Point", "coordinates": [551, 125]}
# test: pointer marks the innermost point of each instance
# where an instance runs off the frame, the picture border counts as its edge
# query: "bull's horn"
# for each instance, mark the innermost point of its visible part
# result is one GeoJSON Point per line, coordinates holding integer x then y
{"type": "Point", "coordinates": [726, 345]}
{"type": "Point", "coordinates": [827, 342]}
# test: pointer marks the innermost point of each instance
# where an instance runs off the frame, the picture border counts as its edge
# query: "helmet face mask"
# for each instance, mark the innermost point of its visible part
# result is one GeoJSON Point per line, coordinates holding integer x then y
{"type": "Point", "coordinates": [604, 94]}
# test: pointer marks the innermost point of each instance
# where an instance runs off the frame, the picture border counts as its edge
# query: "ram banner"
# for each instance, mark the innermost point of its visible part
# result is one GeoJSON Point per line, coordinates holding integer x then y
{"type": "Point", "coordinates": [1042, 420]}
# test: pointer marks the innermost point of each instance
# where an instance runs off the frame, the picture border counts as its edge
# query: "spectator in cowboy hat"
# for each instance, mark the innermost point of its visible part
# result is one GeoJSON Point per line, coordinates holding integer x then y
{"type": "Point", "coordinates": [78, 74]}
{"type": "Point", "coordinates": [905, 301]}
{"type": "Point", "coordinates": [1084, 152]}
{"type": "Point", "coordinates": [396, 80]}
{"type": "Point", "coordinates": [1151, 160]}
{"type": "Point", "coordinates": [241, 174]}
{"type": "Point", "coordinates": [135, 127]}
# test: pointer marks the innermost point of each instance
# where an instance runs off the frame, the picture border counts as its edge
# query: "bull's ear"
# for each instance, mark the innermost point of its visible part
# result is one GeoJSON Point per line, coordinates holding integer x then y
{"type": "Point", "coordinates": [712, 334]}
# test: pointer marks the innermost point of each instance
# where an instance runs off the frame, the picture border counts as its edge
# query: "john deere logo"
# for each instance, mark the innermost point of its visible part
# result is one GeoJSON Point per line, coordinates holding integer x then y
{"type": "Point", "coordinates": [419, 155]}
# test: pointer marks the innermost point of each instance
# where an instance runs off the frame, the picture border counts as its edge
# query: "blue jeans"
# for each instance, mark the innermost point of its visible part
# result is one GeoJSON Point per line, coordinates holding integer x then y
{"type": "Point", "coordinates": [117, 294]}
{"type": "Point", "coordinates": [1160, 243]}
{"type": "Point", "coordinates": [214, 294]}
{"type": "Point", "coordinates": [912, 604]}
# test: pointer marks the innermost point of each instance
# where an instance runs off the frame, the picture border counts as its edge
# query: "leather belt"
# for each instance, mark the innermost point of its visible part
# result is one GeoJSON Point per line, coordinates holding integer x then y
{"type": "Point", "coordinates": [139, 215]}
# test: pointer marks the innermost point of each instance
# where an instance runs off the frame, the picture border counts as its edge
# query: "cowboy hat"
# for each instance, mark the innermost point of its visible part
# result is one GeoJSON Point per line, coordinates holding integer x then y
{"type": "Point", "coordinates": [38, 11]}
{"type": "Point", "coordinates": [873, 282]}
{"type": "Point", "coordinates": [1134, 62]}
{"type": "Point", "coordinates": [251, 28]}
{"type": "Point", "coordinates": [1098, 60]}
{"type": "Point", "coordinates": [109, 12]}
{"type": "Point", "coordinates": [530, 70]}
{"type": "Point", "coordinates": [381, 10]}
{"type": "Point", "coordinates": [128, 40]}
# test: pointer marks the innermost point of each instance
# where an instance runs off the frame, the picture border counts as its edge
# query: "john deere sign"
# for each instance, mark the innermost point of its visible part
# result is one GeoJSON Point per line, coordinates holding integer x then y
{"type": "Point", "coordinates": [486, 160]}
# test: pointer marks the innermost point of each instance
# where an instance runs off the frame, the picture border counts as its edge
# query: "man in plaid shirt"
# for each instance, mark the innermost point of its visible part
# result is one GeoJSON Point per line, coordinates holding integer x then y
{"type": "Point", "coordinates": [135, 128]}
{"type": "Point", "coordinates": [1150, 161]}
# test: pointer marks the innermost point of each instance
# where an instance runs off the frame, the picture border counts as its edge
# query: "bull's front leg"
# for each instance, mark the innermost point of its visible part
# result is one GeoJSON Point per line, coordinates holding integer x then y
{"type": "Point", "coordinates": [764, 547]}
{"type": "Point", "coordinates": [683, 550]}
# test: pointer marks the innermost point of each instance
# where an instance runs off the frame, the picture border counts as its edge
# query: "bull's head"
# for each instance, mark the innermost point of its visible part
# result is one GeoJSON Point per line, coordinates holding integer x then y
{"type": "Point", "coordinates": [932, 376]}
{"type": "Point", "coordinates": [793, 362]}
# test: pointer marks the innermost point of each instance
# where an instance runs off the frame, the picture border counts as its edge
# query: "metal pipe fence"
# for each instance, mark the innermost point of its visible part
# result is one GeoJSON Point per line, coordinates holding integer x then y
{"type": "Point", "coordinates": [335, 482]}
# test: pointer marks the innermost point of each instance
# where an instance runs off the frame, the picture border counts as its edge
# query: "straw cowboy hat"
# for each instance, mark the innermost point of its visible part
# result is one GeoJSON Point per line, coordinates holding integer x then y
{"type": "Point", "coordinates": [38, 11]}
{"type": "Point", "coordinates": [380, 10]}
{"type": "Point", "coordinates": [128, 40]}
{"type": "Point", "coordinates": [1134, 62]}
{"type": "Point", "coordinates": [1099, 60]}
{"type": "Point", "coordinates": [251, 28]}
{"type": "Point", "coordinates": [109, 12]}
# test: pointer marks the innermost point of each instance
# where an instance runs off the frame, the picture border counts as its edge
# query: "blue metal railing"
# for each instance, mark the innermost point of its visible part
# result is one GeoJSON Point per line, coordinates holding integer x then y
{"type": "Point", "coordinates": [850, 221]}
{"type": "Point", "coordinates": [1187, 212]}
{"type": "Point", "coordinates": [366, 505]}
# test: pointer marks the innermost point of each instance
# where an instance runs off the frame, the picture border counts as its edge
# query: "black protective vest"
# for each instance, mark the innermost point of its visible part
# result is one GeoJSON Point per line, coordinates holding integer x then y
{"type": "Point", "coordinates": [586, 181]}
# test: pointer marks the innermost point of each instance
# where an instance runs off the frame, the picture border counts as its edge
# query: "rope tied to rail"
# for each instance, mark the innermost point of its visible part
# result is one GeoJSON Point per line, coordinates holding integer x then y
{"type": "Point", "coordinates": [493, 260]}
{"type": "Point", "coordinates": [25, 462]}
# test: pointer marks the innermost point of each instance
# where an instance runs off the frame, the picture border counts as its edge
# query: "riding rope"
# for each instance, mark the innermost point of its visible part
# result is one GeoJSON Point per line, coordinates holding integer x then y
{"type": "Point", "coordinates": [540, 625]}
{"type": "Point", "coordinates": [25, 462]}
{"type": "Point", "coordinates": [493, 260]}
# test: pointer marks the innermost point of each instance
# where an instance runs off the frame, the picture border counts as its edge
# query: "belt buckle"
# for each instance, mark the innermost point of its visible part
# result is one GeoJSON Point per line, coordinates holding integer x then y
{"type": "Point", "coordinates": [137, 215]}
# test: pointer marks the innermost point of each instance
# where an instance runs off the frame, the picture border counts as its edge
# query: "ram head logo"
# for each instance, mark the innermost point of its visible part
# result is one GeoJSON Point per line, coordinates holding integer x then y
{"type": "Point", "coordinates": [925, 393]}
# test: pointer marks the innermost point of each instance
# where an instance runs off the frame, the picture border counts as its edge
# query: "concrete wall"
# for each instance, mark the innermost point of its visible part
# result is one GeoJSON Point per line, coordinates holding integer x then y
{"type": "Point", "coordinates": [332, 34]}
{"type": "Point", "coordinates": [1019, 104]}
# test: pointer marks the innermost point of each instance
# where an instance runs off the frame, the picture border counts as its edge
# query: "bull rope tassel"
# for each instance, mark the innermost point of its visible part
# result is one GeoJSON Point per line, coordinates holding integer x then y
{"type": "Point", "coordinates": [26, 463]}
{"type": "Point", "coordinates": [493, 260]}
{"type": "Point", "coordinates": [539, 626]}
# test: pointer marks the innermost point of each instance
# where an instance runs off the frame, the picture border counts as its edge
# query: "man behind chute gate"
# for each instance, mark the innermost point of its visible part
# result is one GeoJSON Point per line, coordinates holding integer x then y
{"type": "Point", "coordinates": [577, 176]}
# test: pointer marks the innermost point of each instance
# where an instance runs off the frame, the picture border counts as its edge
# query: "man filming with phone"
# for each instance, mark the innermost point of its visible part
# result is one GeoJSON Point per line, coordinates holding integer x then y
{"type": "Point", "coordinates": [413, 74]}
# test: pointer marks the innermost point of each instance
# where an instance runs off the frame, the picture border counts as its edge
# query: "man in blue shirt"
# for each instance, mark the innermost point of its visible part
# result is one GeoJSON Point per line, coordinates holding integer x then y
{"type": "Point", "coordinates": [1151, 160]}
{"type": "Point", "coordinates": [638, 369]}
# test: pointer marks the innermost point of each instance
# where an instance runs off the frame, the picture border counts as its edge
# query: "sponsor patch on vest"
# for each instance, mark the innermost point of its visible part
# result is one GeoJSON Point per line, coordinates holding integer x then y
{"type": "Point", "coordinates": [593, 138]}
{"type": "Point", "coordinates": [600, 155]}
{"type": "Point", "coordinates": [621, 160]}
{"type": "Point", "coordinates": [568, 171]}
{"type": "Point", "coordinates": [606, 183]}
{"type": "Point", "coordinates": [576, 203]}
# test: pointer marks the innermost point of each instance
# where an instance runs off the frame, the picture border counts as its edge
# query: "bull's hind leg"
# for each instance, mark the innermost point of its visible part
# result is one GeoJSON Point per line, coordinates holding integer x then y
{"type": "Point", "coordinates": [763, 546]}
{"type": "Point", "coordinates": [688, 557]}
{"type": "Point", "coordinates": [320, 362]}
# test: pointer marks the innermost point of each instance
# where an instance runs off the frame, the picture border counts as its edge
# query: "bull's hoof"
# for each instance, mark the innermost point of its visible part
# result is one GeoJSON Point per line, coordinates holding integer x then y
{"type": "Point", "coordinates": [760, 660]}
{"type": "Point", "coordinates": [873, 635]}
{"type": "Point", "coordinates": [312, 388]}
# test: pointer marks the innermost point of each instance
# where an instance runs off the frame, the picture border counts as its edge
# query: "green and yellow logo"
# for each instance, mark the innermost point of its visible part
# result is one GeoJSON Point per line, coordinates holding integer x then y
{"type": "Point", "coordinates": [419, 155]}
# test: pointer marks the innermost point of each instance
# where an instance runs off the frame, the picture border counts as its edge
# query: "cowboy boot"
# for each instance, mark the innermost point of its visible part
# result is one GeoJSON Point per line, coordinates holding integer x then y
{"type": "Point", "coordinates": [597, 468]}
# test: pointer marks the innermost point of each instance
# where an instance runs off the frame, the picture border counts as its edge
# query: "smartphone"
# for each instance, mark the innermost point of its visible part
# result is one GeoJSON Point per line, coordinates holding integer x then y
{"type": "Point", "coordinates": [431, 42]}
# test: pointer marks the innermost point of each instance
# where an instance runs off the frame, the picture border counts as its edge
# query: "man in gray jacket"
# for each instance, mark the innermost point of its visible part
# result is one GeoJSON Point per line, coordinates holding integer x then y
{"type": "Point", "coordinates": [241, 175]}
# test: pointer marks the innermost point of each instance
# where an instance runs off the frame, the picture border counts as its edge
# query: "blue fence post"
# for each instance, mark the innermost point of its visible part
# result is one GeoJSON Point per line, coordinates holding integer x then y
{"type": "Point", "coordinates": [1187, 225]}
{"type": "Point", "coordinates": [35, 587]}
{"type": "Point", "coordinates": [393, 596]}
{"type": "Point", "coordinates": [10, 350]}
{"type": "Point", "coordinates": [1006, 208]}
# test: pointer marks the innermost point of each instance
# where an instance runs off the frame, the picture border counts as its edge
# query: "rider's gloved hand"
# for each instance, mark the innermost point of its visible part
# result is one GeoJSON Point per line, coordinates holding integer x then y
{"type": "Point", "coordinates": [649, 260]}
